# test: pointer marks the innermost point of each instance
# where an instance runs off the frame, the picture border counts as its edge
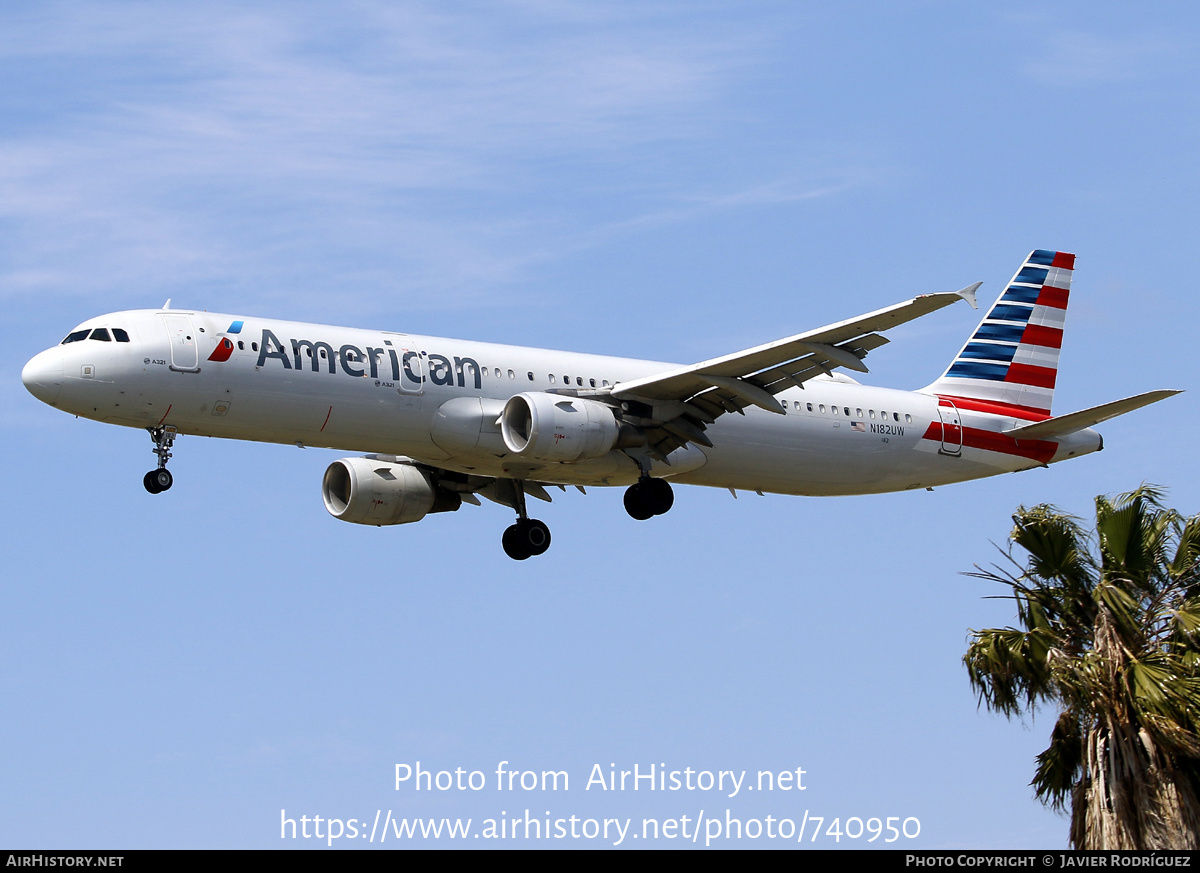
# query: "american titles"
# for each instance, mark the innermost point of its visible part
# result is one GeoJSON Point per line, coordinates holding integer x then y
{"type": "Point", "coordinates": [406, 366]}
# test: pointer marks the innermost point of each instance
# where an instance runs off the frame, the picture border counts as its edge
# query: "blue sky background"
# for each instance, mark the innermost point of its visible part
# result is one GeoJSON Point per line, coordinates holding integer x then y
{"type": "Point", "coordinates": [659, 180]}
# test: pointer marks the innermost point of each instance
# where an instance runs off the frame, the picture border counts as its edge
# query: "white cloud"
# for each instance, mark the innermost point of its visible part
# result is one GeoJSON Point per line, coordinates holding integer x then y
{"type": "Point", "coordinates": [1073, 59]}
{"type": "Point", "coordinates": [162, 146]}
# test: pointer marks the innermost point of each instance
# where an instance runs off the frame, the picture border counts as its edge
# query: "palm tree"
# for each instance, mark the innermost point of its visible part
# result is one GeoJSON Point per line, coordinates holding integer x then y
{"type": "Point", "coordinates": [1111, 636]}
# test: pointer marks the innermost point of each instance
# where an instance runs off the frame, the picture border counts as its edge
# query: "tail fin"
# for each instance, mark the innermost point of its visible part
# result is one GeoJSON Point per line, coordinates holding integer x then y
{"type": "Point", "coordinates": [1009, 365]}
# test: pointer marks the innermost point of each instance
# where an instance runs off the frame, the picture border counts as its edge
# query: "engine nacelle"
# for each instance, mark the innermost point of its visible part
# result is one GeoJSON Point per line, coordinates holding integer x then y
{"type": "Point", "coordinates": [550, 427]}
{"type": "Point", "coordinates": [467, 426]}
{"type": "Point", "coordinates": [368, 491]}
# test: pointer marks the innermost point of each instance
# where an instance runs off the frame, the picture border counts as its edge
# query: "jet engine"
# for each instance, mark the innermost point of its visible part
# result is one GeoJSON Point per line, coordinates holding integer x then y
{"type": "Point", "coordinates": [550, 427]}
{"type": "Point", "coordinates": [371, 491]}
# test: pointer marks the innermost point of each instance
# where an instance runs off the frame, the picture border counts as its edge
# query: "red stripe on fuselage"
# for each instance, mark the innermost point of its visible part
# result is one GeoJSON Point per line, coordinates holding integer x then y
{"type": "Point", "coordinates": [995, 407]}
{"type": "Point", "coordinates": [991, 441]}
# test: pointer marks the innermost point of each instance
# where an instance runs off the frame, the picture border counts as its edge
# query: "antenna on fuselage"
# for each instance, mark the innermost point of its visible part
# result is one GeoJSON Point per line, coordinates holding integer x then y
{"type": "Point", "coordinates": [167, 305]}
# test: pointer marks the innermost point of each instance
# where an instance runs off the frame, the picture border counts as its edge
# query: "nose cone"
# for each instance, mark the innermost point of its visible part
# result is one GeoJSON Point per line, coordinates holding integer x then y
{"type": "Point", "coordinates": [43, 375]}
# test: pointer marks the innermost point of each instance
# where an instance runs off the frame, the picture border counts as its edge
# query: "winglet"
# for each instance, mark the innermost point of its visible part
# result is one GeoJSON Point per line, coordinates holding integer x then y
{"type": "Point", "coordinates": [968, 294]}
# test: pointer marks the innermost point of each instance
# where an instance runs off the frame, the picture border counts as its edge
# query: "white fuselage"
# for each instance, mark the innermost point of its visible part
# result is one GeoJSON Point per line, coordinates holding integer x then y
{"type": "Point", "coordinates": [384, 392]}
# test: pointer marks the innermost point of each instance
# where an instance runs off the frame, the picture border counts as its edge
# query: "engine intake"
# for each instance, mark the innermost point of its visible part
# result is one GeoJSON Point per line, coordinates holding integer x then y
{"type": "Point", "coordinates": [549, 427]}
{"type": "Point", "coordinates": [368, 491]}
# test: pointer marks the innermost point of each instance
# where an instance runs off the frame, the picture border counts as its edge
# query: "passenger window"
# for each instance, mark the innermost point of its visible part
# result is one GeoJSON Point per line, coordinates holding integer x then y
{"type": "Point", "coordinates": [531, 375]}
{"type": "Point", "coordinates": [604, 382]}
{"type": "Point", "coordinates": [101, 334]}
{"type": "Point", "coordinates": [810, 407]}
{"type": "Point", "coordinates": [254, 346]}
{"type": "Point", "coordinates": [511, 374]}
{"type": "Point", "coordinates": [822, 409]}
{"type": "Point", "coordinates": [121, 336]}
{"type": "Point", "coordinates": [551, 378]}
{"type": "Point", "coordinates": [846, 409]}
{"type": "Point", "coordinates": [896, 416]}
{"type": "Point", "coordinates": [241, 346]}
{"type": "Point", "coordinates": [908, 418]}
{"type": "Point", "coordinates": [592, 382]}
{"type": "Point", "coordinates": [834, 408]}
{"type": "Point", "coordinates": [858, 413]}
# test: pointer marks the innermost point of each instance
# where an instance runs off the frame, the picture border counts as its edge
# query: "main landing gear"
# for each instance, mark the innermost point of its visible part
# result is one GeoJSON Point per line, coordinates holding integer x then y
{"type": "Point", "coordinates": [160, 478]}
{"type": "Point", "coordinates": [529, 536]}
{"type": "Point", "coordinates": [648, 497]}
{"type": "Point", "coordinates": [526, 538]}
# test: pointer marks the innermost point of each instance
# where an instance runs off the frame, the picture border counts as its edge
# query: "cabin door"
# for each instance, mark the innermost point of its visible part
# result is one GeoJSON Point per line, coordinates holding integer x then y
{"type": "Point", "coordinates": [952, 432]}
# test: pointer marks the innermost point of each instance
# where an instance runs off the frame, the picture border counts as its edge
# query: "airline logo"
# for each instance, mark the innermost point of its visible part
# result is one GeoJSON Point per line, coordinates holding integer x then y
{"type": "Point", "coordinates": [223, 350]}
{"type": "Point", "coordinates": [225, 346]}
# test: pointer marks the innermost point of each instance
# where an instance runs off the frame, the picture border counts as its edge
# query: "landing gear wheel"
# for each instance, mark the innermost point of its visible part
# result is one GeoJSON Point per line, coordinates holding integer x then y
{"type": "Point", "coordinates": [157, 481]}
{"type": "Point", "coordinates": [514, 547]}
{"type": "Point", "coordinates": [649, 497]}
{"type": "Point", "coordinates": [636, 504]}
{"type": "Point", "coordinates": [659, 495]}
{"type": "Point", "coordinates": [537, 535]}
{"type": "Point", "coordinates": [526, 538]}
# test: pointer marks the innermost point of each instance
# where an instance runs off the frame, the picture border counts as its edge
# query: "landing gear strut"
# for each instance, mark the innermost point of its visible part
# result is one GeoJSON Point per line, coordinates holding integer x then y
{"type": "Point", "coordinates": [648, 497]}
{"type": "Point", "coordinates": [528, 536]}
{"type": "Point", "coordinates": [160, 478]}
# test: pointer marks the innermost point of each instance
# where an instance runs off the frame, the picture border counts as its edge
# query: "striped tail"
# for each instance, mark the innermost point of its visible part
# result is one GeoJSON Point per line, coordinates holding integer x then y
{"type": "Point", "coordinates": [1010, 363]}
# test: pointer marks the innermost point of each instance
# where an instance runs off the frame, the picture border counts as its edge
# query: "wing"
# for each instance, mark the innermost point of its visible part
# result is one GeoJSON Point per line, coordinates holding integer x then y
{"type": "Point", "coordinates": [676, 406]}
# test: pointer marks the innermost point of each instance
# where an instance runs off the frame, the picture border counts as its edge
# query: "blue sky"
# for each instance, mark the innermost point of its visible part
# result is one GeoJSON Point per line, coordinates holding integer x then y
{"type": "Point", "coordinates": [668, 181]}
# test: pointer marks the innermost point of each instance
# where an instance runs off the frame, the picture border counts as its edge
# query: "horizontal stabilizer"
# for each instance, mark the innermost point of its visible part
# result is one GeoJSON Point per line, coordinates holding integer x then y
{"type": "Point", "coordinates": [1076, 421]}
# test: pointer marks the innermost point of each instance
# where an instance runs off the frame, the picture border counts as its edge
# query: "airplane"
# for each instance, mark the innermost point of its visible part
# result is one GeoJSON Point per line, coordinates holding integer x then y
{"type": "Point", "coordinates": [442, 422]}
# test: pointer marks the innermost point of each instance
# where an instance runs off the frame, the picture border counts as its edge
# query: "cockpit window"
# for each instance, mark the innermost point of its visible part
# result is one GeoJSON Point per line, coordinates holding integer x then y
{"type": "Point", "coordinates": [101, 333]}
{"type": "Point", "coordinates": [75, 337]}
{"type": "Point", "coordinates": [120, 335]}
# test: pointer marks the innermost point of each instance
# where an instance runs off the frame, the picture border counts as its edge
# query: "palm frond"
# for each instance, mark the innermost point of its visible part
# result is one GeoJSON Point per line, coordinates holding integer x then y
{"type": "Point", "coordinates": [1113, 637]}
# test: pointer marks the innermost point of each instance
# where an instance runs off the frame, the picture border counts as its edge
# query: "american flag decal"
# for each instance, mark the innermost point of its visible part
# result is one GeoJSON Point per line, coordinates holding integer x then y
{"type": "Point", "coordinates": [858, 426]}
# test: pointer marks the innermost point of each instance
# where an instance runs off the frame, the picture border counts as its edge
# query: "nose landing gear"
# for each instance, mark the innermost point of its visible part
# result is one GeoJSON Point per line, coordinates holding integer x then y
{"type": "Point", "coordinates": [160, 478]}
